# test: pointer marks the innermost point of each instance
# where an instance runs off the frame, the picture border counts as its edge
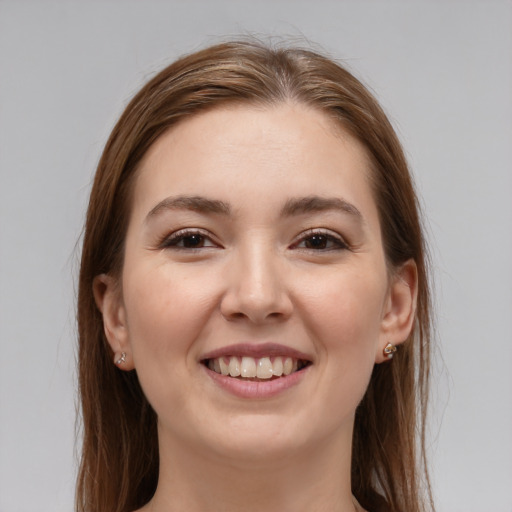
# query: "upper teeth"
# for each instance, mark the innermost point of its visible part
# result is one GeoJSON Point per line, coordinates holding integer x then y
{"type": "Point", "coordinates": [249, 367]}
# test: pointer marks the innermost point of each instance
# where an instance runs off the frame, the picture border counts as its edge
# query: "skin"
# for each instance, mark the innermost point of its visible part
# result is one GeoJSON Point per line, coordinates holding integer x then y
{"type": "Point", "coordinates": [255, 276]}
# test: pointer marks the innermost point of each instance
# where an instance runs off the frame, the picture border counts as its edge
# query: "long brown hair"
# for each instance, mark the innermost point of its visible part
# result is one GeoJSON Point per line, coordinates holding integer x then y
{"type": "Point", "coordinates": [119, 464]}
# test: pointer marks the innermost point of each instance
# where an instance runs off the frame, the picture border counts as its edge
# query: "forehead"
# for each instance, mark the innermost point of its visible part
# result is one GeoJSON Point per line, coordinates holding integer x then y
{"type": "Point", "coordinates": [250, 155]}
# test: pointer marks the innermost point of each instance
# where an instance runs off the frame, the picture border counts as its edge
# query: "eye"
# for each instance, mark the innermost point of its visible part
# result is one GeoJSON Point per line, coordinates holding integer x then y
{"type": "Point", "coordinates": [187, 239]}
{"type": "Point", "coordinates": [315, 240]}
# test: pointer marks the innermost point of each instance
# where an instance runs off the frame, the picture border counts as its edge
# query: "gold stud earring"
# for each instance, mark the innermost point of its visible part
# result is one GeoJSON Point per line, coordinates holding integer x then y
{"type": "Point", "coordinates": [122, 359]}
{"type": "Point", "coordinates": [389, 351]}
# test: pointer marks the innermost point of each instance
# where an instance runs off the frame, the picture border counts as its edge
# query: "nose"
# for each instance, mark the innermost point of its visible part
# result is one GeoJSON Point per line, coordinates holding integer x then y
{"type": "Point", "coordinates": [256, 289]}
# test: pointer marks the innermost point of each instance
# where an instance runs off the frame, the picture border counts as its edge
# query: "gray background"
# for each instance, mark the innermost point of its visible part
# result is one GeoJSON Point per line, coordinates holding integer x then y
{"type": "Point", "coordinates": [444, 72]}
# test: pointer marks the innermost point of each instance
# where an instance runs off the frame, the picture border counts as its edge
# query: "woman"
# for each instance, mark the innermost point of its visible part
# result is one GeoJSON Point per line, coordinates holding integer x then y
{"type": "Point", "coordinates": [252, 261]}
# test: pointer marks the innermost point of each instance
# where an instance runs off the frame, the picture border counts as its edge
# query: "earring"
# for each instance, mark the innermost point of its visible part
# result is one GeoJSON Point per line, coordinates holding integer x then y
{"type": "Point", "coordinates": [389, 351]}
{"type": "Point", "coordinates": [122, 359]}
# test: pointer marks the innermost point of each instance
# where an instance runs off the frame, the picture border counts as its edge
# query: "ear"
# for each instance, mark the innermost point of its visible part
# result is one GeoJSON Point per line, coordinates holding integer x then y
{"type": "Point", "coordinates": [400, 308]}
{"type": "Point", "coordinates": [108, 299]}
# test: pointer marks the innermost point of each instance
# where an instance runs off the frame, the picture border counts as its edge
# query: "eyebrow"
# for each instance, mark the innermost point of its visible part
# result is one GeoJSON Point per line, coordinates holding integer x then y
{"type": "Point", "coordinates": [193, 203]}
{"type": "Point", "coordinates": [310, 204]}
{"type": "Point", "coordinates": [292, 207]}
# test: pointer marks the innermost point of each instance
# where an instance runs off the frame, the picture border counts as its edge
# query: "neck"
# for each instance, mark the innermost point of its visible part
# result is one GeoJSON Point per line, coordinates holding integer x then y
{"type": "Point", "coordinates": [317, 478]}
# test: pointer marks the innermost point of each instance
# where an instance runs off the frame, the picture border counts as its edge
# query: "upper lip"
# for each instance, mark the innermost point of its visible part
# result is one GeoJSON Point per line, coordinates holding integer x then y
{"type": "Point", "coordinates": [256, 351]}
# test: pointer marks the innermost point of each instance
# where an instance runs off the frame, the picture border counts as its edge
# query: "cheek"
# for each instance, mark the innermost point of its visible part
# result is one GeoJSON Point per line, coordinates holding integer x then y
{"type": "Point", "coordinates": [347, 305]}
{"type": "Point", "coordinates": [165, 313]}
{"type": "Point", "coordinates": [344, 320]}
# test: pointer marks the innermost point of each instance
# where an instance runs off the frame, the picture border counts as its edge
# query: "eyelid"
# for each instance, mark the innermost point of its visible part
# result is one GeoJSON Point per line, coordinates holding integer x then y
{"type": "Point", "coordinates": [170, 241]}
{"type": "Point", "coordinates": [336, 238]}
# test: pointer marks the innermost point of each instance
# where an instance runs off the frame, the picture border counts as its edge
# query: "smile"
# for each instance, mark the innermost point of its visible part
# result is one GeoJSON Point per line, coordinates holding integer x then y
{"type": "Point", "coordinates": [247, 367]}
{"type": "Point", "coordinates": [256, 370]}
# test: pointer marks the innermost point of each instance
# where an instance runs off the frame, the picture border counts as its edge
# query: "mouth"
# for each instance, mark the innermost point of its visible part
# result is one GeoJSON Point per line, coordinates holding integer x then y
{"type": "Point", "coordinates": [256, 371]}
{"type": "Point", "coordinates": [256, 362]}
{"type": "Point", "coordinates": [250, 368]}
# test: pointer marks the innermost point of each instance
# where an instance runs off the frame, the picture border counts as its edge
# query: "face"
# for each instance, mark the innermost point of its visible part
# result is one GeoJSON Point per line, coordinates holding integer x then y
{"type": "Point", "coordinates": [255, 294]}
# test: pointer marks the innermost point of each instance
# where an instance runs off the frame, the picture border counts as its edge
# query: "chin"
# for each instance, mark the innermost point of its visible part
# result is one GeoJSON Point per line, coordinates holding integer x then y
{"type": "Point", "coordinates": [259, 438]}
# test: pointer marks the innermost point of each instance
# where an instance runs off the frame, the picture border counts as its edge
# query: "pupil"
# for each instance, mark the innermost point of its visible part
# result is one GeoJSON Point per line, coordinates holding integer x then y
{"type": "Point", "coordinates": [193, 241]}
{"type": "Point", "coordinates": [317, 242]}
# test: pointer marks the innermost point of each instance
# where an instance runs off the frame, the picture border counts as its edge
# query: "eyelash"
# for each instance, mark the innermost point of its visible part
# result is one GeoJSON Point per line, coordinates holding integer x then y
{"type": "Point", "coordinates": [175, 239]}
{"type": "Point", "coordinates": [172, 241]}
{"type": "Point", "coordinates": [337, 243]}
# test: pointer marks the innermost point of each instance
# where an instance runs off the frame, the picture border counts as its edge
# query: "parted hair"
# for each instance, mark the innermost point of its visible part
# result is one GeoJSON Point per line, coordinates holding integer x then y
{"type": "Point", "coordinates": [119, 456]}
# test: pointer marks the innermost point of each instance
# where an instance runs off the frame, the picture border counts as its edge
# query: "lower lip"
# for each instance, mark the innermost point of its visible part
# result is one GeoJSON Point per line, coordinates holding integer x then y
{"type": "Point", "coordinates": [256, 389]}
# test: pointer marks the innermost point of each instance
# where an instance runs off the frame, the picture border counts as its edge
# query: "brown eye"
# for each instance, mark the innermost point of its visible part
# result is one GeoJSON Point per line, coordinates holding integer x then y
{"type": "Point", "coordinates": [316, 242]}
{"type": "Point", "coordinates": [187, 240]}
{"type": "Point", "coordinates": [321, 242]}
{"type": "Point", "coordinates": [191, 241]}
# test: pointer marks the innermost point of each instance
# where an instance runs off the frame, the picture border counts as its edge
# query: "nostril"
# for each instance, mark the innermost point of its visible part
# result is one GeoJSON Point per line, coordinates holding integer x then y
{"type": "Point", "coordinates": [255, 300]}
{"type": "Point", "coordinates": [238, 314]}
{"type": "Point", "coordinates": [254, 317]}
